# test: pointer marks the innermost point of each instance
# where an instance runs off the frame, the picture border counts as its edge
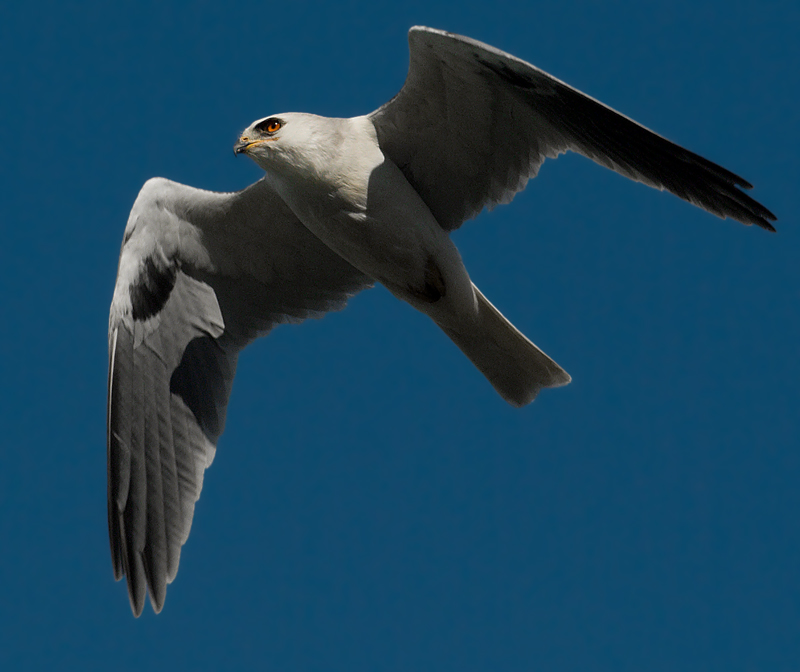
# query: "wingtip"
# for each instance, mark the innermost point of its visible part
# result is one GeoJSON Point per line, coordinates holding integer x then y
{"type": "Point", "coordinates": [763, 221]}
{"type": "Point", "coordinates": [136, 607]}
{"type": "Point", "coordinates": [138, 598]}
{"type": "Point", "coordinates": [158, 594]}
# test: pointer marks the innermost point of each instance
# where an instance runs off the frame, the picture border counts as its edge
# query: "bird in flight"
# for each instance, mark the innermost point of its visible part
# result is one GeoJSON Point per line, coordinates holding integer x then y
{"type": "Point", "coordinates": [344, 203]}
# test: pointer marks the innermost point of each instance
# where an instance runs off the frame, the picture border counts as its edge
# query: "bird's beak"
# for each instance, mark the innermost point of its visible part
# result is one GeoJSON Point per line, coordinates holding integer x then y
{"type": "Point", "coordinates": [241, 145]}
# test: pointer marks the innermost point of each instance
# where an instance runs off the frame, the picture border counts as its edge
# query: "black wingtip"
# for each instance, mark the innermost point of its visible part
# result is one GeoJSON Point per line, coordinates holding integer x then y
{"type": "Point", "coordinates": [764, 218]}
{"type": "Point", "coordinates": [764, 224]}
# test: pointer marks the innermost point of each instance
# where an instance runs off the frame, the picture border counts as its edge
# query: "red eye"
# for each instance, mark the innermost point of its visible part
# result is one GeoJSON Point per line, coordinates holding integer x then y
{"type": "Point", "coordinates": [269, 126]}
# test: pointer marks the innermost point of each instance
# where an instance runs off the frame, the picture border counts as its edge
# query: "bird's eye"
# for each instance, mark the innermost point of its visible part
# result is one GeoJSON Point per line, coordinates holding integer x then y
{"type": "Point", "coordinates": [271, 125]}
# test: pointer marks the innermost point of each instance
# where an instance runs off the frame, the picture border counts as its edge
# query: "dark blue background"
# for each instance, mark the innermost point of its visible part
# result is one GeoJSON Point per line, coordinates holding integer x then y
{"type": "Point", "coordinates": [374, 505]}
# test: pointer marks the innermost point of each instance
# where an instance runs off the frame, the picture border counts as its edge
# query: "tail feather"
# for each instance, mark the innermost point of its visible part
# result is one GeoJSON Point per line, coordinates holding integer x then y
{"type": "Point", "coordinates": [514, 366]}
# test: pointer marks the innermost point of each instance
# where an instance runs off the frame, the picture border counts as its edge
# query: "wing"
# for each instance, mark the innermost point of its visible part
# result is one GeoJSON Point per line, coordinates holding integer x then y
{"type": "Point", "coordinates": [200, 275]}
{"type": "Point", "coordinates": [472, 124]}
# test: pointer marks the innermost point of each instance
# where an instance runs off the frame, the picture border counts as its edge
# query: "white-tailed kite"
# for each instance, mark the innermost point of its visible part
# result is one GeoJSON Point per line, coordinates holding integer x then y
{"type": "Point", "coordinates": [344, 203]}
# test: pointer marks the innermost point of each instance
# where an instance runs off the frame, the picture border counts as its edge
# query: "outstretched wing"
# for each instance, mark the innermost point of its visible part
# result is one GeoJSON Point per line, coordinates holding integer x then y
{"type": "Point", "coordinates": [472, 124]}
{"type": "Point", "coordinates": [200, 275]}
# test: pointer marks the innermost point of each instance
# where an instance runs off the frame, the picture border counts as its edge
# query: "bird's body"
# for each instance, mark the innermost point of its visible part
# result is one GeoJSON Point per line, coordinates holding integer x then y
{"type": "Point", "coordinates": [339, 184]}
{"type": "Point", "coordinates": [344, 203]}
{"type": "Point", "coordinates": [335, 178]}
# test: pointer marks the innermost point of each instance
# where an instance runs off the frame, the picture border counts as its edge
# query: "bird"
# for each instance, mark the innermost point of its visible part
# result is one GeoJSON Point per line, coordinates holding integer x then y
{"type": "Point", "coordinates": [343, 204]}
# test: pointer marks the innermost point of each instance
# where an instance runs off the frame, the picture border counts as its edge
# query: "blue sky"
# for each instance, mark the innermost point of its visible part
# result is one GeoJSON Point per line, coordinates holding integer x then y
{"type": "Point", "coordinates": [374, 505]}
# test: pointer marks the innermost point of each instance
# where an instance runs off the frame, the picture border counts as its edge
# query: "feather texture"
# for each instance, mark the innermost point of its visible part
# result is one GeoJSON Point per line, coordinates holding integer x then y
{"type": "Point", "coordinates": [200, 275]}
{"type": "Point", "coordinates": [472, 124]}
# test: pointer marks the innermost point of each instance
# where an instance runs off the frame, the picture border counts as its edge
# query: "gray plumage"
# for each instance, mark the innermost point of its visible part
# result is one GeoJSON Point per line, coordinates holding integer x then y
{"type": "Point", "coordinates": [239, 264]}
{"type": "Point", "coordinates": [344, 203]}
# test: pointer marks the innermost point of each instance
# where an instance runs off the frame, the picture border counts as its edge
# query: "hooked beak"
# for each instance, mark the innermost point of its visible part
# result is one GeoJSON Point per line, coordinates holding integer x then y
{"type": "Point", "coordinates": [241, 145]}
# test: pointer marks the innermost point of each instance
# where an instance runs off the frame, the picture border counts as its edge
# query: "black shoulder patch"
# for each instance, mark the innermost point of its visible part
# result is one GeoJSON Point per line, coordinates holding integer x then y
{"type": "Point", "coordinates": [152, 288]}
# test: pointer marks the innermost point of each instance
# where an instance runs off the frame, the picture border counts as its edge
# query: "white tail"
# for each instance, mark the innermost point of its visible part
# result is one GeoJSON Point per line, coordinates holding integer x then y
{"type": "Point", "coordinates": [514, 366]}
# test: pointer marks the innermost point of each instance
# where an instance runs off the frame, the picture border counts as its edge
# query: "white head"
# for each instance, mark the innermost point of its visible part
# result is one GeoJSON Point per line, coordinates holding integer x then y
{"type": "Point", "coordinates": [290, 141]}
